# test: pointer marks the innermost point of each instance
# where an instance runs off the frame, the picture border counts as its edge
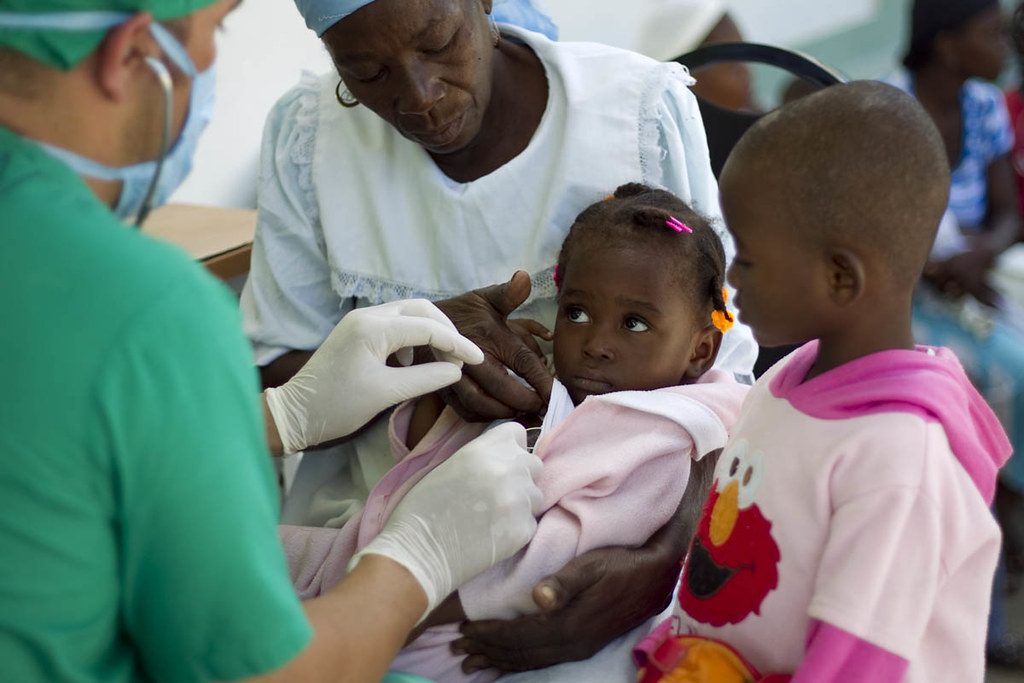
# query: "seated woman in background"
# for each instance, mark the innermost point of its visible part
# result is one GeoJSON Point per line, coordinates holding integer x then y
{"type": "Point", "coordinates": [955, 47]}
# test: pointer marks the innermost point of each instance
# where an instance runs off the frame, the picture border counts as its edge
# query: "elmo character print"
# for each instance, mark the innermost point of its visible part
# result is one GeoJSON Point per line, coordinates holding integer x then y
{"type": "Point", "coordinates": [734, 561]}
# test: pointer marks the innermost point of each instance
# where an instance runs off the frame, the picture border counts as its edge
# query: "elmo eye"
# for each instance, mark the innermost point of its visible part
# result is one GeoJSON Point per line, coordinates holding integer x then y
{"type": "Point", "coordinates": [753, 473]}
{"type": "Point", "coordinates": [731, 463]}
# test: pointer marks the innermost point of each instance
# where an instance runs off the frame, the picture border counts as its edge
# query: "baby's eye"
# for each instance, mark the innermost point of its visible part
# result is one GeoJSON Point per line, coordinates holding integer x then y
{"type": "Point", "coordinates": [634, 324]}
{"type": "Point", "coordinates": [577, 314]}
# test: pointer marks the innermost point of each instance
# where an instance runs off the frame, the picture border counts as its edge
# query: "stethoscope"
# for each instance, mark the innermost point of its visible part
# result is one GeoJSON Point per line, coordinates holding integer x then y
{"type": "Point", "coordinates": [163, 76]}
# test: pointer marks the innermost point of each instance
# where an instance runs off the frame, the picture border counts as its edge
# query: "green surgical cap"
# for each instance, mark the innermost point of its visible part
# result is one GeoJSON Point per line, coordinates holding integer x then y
{"type": "Point", "coordinates": [62, 48]}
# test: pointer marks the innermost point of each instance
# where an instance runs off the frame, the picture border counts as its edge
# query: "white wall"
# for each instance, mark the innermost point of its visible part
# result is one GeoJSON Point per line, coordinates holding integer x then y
{"type": "Point", "coordinates": [782, 22]}
{"type": "Point", "coordinates": [791, 22]}
{"type": "Point", "coordinates": [266, 46]}
{"type": "Point", "coordinates": [261, 53]}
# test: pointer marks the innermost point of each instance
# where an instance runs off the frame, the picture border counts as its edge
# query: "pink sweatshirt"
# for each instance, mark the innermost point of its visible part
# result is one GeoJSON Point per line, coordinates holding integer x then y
{"type": "Point", "coordinates": [614, 473]}
{"type": "Point", "coordinates": [847, 535]}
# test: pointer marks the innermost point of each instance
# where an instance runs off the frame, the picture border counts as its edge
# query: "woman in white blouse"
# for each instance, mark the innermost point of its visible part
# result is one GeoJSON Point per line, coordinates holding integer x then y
{"type": "Point", "coordinates": [449, 153]}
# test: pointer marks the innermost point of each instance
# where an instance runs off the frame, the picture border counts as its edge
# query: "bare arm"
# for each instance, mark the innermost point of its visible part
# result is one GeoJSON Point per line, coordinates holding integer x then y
{"type": "Point", "coordinates": [388, 601]}
{"type": "Point", "coordinates": [968, 272]}
{"type": "Point", "coordinates": [424, 414]}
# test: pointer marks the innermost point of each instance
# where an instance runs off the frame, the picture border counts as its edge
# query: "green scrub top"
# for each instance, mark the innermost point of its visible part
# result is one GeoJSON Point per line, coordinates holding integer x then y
{"type": "Point", "coordinates": [138, 507]}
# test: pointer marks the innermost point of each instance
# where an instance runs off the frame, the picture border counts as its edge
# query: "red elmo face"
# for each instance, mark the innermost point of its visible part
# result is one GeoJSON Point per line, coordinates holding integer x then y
{"type": "Point", "coordinates": [733, 562]}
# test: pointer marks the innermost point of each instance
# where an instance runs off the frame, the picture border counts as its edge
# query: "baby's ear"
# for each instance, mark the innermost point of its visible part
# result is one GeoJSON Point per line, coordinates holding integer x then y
{"type": "Point", "coordinates": [846, 276]}
{"type": "Point", "coordinates": [705, 351]}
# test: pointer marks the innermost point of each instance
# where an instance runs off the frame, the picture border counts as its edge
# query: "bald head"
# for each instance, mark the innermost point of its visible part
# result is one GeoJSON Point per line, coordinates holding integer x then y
{"type": "Point", "coordinates": [858, 166]}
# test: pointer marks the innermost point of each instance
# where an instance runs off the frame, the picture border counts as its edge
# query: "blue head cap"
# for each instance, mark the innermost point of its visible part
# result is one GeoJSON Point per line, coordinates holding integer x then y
{"type": "Point", "coordinates": [320, 15]}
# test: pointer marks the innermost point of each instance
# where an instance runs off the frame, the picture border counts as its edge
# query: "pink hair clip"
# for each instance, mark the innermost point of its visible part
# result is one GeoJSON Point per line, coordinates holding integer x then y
{"type": "Point", "coordinates": [675, 224]}
{"type": "Point", "coordinates": [554, 276]}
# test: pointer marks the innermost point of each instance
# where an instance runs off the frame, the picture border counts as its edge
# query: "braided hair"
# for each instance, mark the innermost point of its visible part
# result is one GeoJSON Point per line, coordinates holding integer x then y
{"type": "Point", "coordinates": [636, 213]}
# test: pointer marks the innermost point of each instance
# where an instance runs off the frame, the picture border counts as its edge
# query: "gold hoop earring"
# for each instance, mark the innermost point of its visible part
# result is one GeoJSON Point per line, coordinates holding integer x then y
{"type": "Point", "coordinates": [348, 103]}
{"type": "Point", "coordinates": [495, 33]}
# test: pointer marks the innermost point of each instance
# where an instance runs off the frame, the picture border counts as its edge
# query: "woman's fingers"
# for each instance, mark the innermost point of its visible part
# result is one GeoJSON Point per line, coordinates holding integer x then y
{"type": "Point", "coordinates": [558, 590]}
{"type": "Point", "coordinates": [493, 379]}
{"type": "Point", "coordinates": [526, 336]}
{"type": "Point", "coordinates": [523, 644]}
{"type": "Point", "coordinates": [472, 403]}
{"type": "Point", "coordinates": [533, 327]}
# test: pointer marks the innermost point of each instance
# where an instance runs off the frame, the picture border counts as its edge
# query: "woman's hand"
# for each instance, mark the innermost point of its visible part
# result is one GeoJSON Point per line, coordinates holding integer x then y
{"type": "Point", "coordinates": [347, 380]}
{"type": "Point", "coordinates": [486, 391]}
{"type": "Point", "coordinates": [594, 599]}
{"type": "Point", "coordinates": [964, 273]}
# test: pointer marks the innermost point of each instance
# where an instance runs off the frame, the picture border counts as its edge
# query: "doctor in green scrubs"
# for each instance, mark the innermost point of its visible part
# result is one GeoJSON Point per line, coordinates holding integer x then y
{"type": "Point", "coordinates": [137, 503]}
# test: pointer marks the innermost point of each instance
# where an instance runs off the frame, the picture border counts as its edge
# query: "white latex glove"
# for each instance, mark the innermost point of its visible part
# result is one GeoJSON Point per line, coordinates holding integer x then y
{"type": "Point", "coordinates": [473, 510]}
{"type": "Point", "coordinates": [348, 381]}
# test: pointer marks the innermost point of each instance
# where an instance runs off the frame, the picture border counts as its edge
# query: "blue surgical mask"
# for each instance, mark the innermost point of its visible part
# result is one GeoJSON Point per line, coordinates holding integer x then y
{"type": "Point", "coordinates": [150, 183]}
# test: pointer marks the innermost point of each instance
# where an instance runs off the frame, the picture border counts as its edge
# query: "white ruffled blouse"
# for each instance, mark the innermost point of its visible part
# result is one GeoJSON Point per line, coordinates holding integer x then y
{"type": "Point", "coordinates": [351, 213]}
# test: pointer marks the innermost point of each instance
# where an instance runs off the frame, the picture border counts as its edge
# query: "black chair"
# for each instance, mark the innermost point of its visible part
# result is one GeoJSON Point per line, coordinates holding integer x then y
{"type": "Point", "coordinates": [724, 127]}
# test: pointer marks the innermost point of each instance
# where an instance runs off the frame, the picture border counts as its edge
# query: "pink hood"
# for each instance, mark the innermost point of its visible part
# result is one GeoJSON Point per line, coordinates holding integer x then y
{"type": "Point", "coordinates": [927, 381]}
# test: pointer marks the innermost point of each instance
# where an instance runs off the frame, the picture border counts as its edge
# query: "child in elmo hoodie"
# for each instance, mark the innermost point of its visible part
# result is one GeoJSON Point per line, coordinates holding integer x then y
{"type": "Point", "coordinates": [847, 536]}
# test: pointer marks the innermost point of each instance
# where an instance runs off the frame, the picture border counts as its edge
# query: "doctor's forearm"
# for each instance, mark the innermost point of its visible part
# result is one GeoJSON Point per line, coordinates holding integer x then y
{"type": "Point", "coordinates": [359, 626]}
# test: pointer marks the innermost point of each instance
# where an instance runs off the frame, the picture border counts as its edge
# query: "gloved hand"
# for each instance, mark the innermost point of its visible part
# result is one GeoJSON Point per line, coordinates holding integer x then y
{"type": "Point", "coordinates": [348, 381]}
{"type": "Point", "coordinates": [475, 509]}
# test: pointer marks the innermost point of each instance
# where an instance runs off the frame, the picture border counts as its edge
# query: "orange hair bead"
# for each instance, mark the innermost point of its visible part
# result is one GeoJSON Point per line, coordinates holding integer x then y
{"type": "Point", "coordinates": [723, 320]}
